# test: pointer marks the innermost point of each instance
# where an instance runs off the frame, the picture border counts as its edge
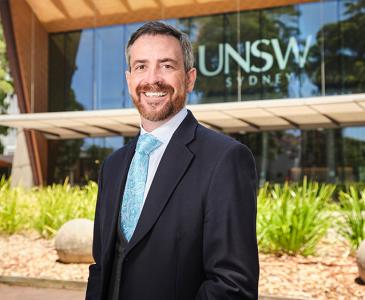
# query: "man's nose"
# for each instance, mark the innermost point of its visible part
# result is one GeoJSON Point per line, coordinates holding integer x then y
{"type": "Point", "coordinates": [153, 76]}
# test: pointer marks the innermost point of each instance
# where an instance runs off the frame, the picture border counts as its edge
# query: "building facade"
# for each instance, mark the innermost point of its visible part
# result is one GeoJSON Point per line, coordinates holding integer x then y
{"type": "Point", "coordinates": [70, 57]}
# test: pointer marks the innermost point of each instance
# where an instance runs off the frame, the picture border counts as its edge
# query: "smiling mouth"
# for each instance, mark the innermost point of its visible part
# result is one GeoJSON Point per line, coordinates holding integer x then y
{"type": "Point", "coordinates": [155, 94]}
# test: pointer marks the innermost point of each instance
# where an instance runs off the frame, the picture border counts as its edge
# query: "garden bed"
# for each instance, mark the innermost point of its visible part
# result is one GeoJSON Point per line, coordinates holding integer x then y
{"type": "Point", "coordinates": [305, 229]}
{"type": "Point", "coordinates": [329, 275]}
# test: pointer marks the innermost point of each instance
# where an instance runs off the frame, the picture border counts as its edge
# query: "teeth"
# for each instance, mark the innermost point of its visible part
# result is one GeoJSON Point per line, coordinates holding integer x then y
{"type": "Point", "coordinates": [155, 94]}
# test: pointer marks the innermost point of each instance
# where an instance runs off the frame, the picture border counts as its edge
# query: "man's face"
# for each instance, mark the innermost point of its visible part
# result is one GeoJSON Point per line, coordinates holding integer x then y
{"type": "Point", "coordinates": [157, 81]}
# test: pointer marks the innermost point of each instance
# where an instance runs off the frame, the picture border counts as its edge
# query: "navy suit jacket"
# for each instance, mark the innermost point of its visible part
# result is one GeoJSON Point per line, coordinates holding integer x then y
{"type": "Point", "coordinates": [196, 236]}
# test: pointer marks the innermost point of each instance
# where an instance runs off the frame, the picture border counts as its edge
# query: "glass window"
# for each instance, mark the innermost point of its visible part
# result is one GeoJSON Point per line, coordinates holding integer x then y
{"type": "Point", "coordinates": [326, 155]}
{"type": "Point", "coordinates": [79, 160]}
{"type": "Point", "coordinates": [331, 42]}
{"type": "Point", "coordinates": [352, 51]}
{"type": "Point", "coordinates": [353, 147]}
{"type": "Point", "coordinates": [251, 55]}
{"type": "Point", "coordinates": [83, 72]}
{"type": "Point", "coordinates": [210, 37]}
{"type": "Point", "coordinates": [296, 51]}
{"type": "Point", "coordinates": [111, 89]}
{"type": "Point", "coordinates": [293, 51]}
{"type": "Point", "coordinates": [70, 71]}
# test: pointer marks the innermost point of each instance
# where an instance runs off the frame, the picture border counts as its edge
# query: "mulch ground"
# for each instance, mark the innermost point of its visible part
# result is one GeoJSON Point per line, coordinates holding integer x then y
{"type": "Point", "coordinates": [331, 274]}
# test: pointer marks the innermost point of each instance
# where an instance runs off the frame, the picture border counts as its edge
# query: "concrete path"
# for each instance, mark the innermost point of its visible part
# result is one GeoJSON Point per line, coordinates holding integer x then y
{"type": "Point", "coordinates": [12, 292]}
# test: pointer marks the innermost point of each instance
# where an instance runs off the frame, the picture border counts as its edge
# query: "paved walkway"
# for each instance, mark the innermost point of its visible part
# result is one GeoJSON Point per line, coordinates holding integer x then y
{"type": "Point", "coordinates": [8, 292]}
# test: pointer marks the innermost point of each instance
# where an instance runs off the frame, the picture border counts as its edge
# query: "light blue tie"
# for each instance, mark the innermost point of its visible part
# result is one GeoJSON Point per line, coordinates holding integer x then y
{"type": "Point", "coordinates": [136, 181]}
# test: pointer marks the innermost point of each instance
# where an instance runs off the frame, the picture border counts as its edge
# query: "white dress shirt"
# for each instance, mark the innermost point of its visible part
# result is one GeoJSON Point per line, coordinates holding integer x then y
{"type": "Point", "coordinates": [164, 134]}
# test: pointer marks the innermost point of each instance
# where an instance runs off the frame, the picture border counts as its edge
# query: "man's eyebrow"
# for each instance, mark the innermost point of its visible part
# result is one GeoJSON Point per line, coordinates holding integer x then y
{"type": "Point", "coordinates": [162, 60]}
{"type": "Point", "coordinates": [168, 60]}
{"type": "Point", "coordinates": [139, 61]}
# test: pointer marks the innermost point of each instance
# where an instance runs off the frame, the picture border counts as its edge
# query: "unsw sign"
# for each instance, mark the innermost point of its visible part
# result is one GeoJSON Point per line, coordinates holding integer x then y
{"type": "Point", "coordinates": [252, 49]}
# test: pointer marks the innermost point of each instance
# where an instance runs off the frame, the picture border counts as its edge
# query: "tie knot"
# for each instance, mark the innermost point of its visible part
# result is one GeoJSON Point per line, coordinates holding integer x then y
{"type": "Point", "coordinates": [147, 143]}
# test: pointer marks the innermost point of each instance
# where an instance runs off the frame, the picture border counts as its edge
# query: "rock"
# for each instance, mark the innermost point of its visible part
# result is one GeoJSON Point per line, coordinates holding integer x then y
{"type": "Point", "coordinates": [360, 259]}
{"type": "Point", "coordinates": [73, 241]}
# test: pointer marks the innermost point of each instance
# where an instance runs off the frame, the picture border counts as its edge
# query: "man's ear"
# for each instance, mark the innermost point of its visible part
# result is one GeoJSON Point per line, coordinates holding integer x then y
{"type": "Point", "coordinates": [128, 77]}
{"type": "Point", "coordinates": [191, 77]}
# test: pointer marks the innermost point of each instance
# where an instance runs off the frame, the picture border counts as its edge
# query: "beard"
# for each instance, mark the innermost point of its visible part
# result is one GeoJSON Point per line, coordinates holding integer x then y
{"type": "Point", "coordinates": [156, 112]}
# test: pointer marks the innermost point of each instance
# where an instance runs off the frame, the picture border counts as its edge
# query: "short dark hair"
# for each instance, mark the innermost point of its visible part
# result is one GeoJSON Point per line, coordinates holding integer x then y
{"type": "Point", "coordinates": [160, 28]}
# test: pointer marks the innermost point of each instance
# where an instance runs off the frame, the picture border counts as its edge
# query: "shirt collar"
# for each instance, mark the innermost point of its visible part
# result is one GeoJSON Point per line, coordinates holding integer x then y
{"type": "Point", "coordinates": [166, 130]}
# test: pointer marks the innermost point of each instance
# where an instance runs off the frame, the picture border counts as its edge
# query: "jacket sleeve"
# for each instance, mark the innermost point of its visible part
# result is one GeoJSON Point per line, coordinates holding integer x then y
{"type": "Point", "coordinates": [93, 290]}
{"type": "Point", "coordinates": [230, 252]}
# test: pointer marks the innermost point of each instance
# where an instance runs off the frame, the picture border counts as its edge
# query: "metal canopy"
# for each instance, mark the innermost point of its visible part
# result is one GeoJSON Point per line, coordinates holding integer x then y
{"type": "Point", "coordinates": [248, 116]}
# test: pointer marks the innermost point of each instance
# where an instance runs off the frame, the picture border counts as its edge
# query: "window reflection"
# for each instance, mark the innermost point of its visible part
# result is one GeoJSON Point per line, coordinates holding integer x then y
{"type": "Point", "coordinates": [79, 160]}
{"type": "Point", "coordinates": [352, 51]}
{"type": "Point", "coordinates": [326, 155]}
{"type": "Point", "coordinates": [83, 72]}
{"type": "Point", "coordinates": [354, 153]}
{"type": "Point", "coordinates": [109, 68]}
{"type": "Point", "coordinates": [294, 51]}
{"type": "Point", "coordinates": [64, 50]}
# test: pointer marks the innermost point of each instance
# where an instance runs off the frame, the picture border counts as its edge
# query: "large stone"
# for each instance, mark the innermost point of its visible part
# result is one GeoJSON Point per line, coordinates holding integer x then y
{"type": "Point", "coordinates": [74, 241]}
{"type": "Point", "coordinates": [360, 259]}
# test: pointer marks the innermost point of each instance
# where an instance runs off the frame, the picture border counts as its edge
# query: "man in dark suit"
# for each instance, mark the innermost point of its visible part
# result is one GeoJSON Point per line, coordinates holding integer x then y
{"type": "Point", "coordinates": [176, 221]}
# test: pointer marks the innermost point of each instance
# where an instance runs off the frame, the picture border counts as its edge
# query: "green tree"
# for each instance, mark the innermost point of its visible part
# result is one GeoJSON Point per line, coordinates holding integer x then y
{"type": "Point", "coordinates": [6, 85]}
{"type": "Point", "coordinates": [344, 51]}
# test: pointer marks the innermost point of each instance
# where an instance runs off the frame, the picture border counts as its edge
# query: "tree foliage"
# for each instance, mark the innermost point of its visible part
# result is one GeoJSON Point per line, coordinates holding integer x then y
{"type": "Point", "coordinates": [6, 85]}
{"type": "Point", "coordinates": [344, 51]}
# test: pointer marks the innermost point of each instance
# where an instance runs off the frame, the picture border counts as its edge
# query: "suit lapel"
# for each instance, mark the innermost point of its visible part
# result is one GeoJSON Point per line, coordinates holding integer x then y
{"type": "Point", "coordinates": [168, 174]}
{"type": "Point", "coordinates": [116, 193]}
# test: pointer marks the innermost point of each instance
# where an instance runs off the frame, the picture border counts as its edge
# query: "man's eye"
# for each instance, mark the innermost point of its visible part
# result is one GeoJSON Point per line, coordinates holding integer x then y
{"type": "Point", "coordinates": [167, 66]}
{"type": "Point", "coordinates": [140, 67]}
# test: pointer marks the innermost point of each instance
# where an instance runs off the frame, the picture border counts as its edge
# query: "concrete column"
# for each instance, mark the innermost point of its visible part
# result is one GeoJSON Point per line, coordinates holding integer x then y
{"type": "Point", "coordinates": [21, 172]}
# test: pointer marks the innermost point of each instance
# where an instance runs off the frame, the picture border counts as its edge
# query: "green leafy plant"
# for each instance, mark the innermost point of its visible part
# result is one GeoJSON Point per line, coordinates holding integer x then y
{"type": "Point", "coordinates": [60, 203]}
{"type": "Point", "coordinates": [263, 215]}
{"type": "Point", "coordinates": [352, 223]}
{"type": "Point", "coordinates": [88, 194]}
{"type": "Point", "coordinates": [11, 207]}
{"type": "Point", "coordinates": [44, 209]}
{"type": "Point", "coordinates": [293, 219]}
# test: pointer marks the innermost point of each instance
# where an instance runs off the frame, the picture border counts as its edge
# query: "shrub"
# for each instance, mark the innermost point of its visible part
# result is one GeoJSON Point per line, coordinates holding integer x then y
{"type": "Point", "coordinates": [263, 216]}
{"type": "Point", "coordinates": [352, 225]}
{"type": "Point", "coordinates": [58, 204]}
{"type": "Point", "coordinates": [293, 219]}
{"type": "Point", "coordinates": [11, 208]}
{"type": "Point", "coordinates": [87, 207]}
{"type": "Point", "coordinates": [44, 209]}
